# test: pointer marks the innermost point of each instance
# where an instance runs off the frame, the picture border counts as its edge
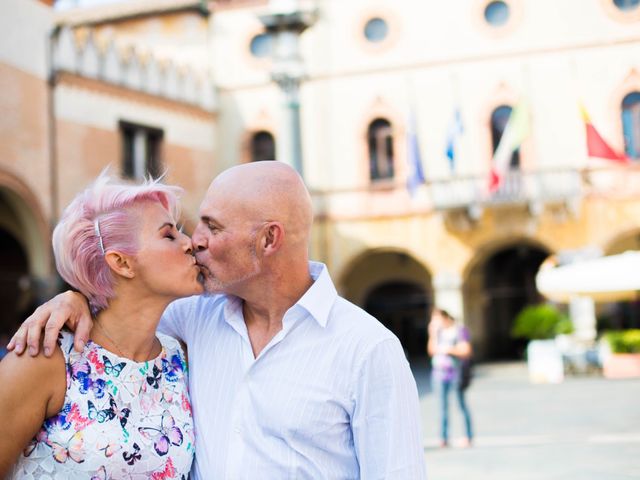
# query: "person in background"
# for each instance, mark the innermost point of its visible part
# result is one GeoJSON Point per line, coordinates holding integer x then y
{"type": "Point", "coordinates": [119, 408]}
{"type": "Point", "coordinates": [449, 346]}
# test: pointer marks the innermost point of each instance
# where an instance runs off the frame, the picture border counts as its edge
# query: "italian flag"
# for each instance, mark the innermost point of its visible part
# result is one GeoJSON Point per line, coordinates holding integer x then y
{"type": "Point", "coordinates": [516, 131]}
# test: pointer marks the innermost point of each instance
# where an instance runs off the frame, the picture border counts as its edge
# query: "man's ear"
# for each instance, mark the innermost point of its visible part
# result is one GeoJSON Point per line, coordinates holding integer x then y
{"type": "Point", "coordinates": [272, 238]}
{"type": "Point", "coordinates": [120, 264]}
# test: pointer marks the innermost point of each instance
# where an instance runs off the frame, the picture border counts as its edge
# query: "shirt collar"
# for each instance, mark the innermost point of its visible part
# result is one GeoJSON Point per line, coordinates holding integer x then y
{"type": "Point", "coordinates": [317, 300]}
{"type": "Point", "coordinates": [321, 296]}
{"type": "Point", "coordinates": [233, 315]}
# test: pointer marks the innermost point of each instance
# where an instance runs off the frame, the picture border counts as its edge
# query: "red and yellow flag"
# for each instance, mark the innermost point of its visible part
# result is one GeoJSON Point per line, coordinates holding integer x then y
{"type": "Point", "coordinates": [596, 145]}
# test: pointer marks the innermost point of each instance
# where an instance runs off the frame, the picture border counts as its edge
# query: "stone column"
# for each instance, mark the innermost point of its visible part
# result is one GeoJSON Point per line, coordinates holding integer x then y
{"type": "Point", "coordinates": [447, 293]}
{"type": "Point", "coordinates": [582, 312]}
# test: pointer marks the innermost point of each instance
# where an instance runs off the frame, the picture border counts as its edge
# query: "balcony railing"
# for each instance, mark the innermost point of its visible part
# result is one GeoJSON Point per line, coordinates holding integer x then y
{"type": "Point", "coordinates": [533, 189]}
{"type": "Point", "coordinates": [518, 187]}
{"type": "Point", "coordinates": [615, 181]}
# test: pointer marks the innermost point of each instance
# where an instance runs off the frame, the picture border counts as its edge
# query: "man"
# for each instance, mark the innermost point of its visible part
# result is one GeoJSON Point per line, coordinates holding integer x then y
{"type": "Point", "coordinates": [287, 379]}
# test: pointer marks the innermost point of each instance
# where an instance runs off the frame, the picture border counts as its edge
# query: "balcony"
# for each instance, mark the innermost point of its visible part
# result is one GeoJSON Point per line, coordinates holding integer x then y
{"type": "Point", "coordinates": [518, 188]}
{"type": "Point", "coordinates": [469, 195]}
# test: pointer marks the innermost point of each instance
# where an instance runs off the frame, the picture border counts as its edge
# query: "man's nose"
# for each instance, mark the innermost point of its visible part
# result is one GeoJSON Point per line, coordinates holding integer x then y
{"type": "Point", "coordinates": [199, 239]}
{"type": "Point", "coordinates": [186, 244]}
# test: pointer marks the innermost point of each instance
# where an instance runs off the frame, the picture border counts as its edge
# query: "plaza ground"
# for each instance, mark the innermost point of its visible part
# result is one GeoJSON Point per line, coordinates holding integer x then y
{"type": "Point", "coordinates": [585, 428]}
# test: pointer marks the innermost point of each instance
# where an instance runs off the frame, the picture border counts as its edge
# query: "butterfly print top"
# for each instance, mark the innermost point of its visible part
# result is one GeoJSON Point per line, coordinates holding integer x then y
{"type": "Point", "coordinates": [121, 419]}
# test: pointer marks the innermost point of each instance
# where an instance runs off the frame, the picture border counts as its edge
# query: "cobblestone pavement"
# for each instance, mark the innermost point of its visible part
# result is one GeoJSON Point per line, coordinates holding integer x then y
{"type": "Point", "coordinates": [586, 428]}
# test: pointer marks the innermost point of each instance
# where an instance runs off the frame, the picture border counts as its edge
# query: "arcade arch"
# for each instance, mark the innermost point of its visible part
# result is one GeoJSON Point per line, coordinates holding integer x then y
{"type": "Point", "coordinates": [620, 315]}
{"type": "Point", "coordinates": [395, 288]}
{"type": "Point", "coordinates": [25, 268]}
{"type": "Point", "coordinates": [498, 283]}
{"type": "Point", "coordinates": [629, 240]}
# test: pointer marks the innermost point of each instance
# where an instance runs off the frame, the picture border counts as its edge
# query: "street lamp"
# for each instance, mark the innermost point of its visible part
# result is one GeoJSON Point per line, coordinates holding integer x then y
{"type": "Point", "coordinates": [284, 21]}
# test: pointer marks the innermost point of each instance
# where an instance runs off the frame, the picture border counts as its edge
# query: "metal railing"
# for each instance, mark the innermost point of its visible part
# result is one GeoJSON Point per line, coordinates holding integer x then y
{"type": "Point", "coordinates": [518, 187]}
{"type": "Point", "coordinates": [531, 188]}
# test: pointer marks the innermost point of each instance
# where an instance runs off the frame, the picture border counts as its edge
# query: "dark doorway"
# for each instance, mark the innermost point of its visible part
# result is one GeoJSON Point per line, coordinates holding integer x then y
{"type": "Point", "coordinates": [509, 286]}
{"type": "Point", "coordinates": [402, 307]}
{"type": "Point", "coordinates": [13, 276]}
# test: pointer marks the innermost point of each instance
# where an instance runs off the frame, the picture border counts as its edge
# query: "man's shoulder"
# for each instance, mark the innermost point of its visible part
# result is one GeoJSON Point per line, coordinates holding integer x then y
{"type": "Point", "coordinates": [366, 337]}
{"type": "Point", "coordinates": [350, 318]}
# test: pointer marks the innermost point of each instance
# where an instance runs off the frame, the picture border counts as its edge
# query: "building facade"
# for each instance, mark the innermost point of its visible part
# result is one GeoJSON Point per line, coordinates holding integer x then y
{"type": "Point", "coordinates": [86, 92]}
{"type": "Point", "coordinates": [381, 76]}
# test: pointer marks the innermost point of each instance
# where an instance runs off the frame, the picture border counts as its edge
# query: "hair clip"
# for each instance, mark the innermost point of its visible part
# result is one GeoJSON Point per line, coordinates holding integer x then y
{"type": "Point", "coordinates": [96, 228]}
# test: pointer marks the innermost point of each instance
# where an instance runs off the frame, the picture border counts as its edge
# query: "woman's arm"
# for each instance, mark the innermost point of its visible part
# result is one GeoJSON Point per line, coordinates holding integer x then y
{"type": "Point", "coordinates": [432, 344]}
{"type": "Point", "coordinates": [462, 349]}
{"type": "Point", "coordinates": [33, 389]}
{"type": "Point", "coordinates": [433, 329]}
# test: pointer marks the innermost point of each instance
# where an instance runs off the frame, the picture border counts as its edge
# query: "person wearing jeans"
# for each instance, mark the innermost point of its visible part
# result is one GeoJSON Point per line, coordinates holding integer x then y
{"type": "Point", "coordinates": [449, 347]}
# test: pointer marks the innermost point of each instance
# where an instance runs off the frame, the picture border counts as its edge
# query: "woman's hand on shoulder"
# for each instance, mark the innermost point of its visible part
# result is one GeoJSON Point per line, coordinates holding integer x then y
{"type": "Point", "coordinates": [33, 389]}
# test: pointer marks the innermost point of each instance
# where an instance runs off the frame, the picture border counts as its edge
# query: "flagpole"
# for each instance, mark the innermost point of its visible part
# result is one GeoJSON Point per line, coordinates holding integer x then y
{"type": "Point", "coordinates": [455, 90]}
{"type": "Point", "coordinates": [532, 126]}
{"type": "Point", "coordinates": [538, 164]}
{"type": "Point", "coordinates": [415, 173]}
{"type": "Point", "coordinates": [577, 87]}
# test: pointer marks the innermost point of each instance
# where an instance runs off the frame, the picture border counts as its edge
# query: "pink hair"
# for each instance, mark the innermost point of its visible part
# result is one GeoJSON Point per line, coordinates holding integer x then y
{"type": "Point", "coordinates": [106, 202]}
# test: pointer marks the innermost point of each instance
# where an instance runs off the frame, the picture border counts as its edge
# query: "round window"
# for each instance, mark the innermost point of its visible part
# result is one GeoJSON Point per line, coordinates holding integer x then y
{"type": "Point", "coordinates": [497, 13]}
{"type": "Point", "coordinates": [261, 45]}
{"type": "Point", "coordinates": [626, 5]}
{"type": "Point", "coordinates": [376, 30]}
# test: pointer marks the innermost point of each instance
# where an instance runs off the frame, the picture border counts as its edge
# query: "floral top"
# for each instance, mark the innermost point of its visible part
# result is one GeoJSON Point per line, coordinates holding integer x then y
{"type": "Point", "coordinates": [120, 419]}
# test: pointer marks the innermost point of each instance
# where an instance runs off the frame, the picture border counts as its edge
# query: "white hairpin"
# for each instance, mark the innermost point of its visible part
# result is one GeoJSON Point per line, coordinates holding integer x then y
{"type": "Point", "coordinates": [96, 228]}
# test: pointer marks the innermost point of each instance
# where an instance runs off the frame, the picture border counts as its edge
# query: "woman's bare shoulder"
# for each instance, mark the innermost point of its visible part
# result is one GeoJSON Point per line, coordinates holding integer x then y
{"type": "Point", "coordinates": [43, 377]}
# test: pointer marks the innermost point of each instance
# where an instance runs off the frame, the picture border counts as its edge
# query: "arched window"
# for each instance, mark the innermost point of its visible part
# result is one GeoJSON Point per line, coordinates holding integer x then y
{"type": "Point", "coordinates": [626, 5]}
{"type": "Point", "coordinates": [380, 138]}
{"type": "Point", "coordinates": [631, 125]}
{"type": "Point", "coordinates": [499, 120]}
{"type": "Point", "coordinates": [263, 146]}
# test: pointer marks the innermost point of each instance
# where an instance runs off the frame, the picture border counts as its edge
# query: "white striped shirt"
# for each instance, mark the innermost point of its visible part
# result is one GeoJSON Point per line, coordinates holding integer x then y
{"type": "Point", "coordinates": [331, 396]}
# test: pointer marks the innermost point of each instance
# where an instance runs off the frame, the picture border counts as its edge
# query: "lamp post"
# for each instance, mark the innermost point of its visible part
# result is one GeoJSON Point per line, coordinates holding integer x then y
{"type": "Point", "coordinates": [284, 21]}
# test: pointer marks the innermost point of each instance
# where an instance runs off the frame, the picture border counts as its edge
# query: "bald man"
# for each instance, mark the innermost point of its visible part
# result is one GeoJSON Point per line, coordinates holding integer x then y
{"type": "Point", "coordinates": [287, 379]}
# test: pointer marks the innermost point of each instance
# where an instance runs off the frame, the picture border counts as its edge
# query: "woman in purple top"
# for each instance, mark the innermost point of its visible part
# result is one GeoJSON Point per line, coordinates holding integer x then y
{"type": "Point", "coordinates": [449, 347]}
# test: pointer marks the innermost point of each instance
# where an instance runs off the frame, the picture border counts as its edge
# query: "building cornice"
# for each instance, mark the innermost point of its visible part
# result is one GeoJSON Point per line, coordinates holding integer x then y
{"type": "Point", "coordinates": [76, 81]}
{"type": "Point", "coordinates": [128, 67]}
{"type": "Point", "coordinates": [132, 9]}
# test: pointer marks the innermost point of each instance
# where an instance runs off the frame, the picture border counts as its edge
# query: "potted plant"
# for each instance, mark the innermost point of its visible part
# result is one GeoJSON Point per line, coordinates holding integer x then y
{"type": "Point", "coordinates": [540, 324]}
{"type": "Point", "coordinates": [624, 359]}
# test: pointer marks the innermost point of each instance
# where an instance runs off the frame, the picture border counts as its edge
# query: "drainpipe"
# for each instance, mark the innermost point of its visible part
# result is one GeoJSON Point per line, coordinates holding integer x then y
{"type": "Point", "coordinates": [53, 283]}
{"type": "Point", "coordinates": [51, 110]}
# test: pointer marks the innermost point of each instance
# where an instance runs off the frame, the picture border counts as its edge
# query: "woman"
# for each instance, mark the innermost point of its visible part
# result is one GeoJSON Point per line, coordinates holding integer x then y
{"type": "Point", "coordinates": [449, 347]}
{"type": "Point", "coordinates": [120, 408]}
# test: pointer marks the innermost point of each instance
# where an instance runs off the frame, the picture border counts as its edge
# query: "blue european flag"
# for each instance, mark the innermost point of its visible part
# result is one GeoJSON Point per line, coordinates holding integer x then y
{"type": "Point", "coordinates": [415, 175]}
{"type": "Point", "coordinates": [453, 132]}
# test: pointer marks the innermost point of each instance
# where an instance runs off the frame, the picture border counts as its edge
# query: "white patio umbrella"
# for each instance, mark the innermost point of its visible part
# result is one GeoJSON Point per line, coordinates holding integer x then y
{"type": "Point", "coordinates": [605, 279]}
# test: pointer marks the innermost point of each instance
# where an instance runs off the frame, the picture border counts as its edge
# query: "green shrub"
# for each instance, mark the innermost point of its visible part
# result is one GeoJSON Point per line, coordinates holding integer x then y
{"type": "Point", "coordinates": [624, 341]}
{"type": "Point", "coordinates": [540, 322]}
